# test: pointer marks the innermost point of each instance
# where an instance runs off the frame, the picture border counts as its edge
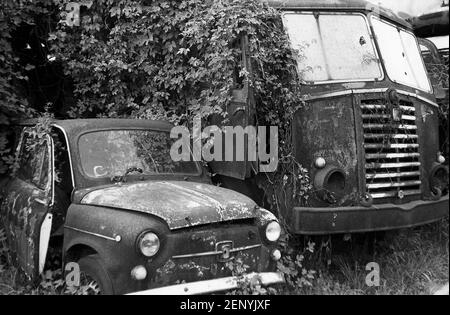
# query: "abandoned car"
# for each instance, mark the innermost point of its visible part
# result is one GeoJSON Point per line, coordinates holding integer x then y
{"type": "Point", "coordinates": [108, 192]}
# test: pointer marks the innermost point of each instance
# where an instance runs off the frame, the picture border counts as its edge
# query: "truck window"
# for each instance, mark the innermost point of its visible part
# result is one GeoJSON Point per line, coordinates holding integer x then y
{"type": "Point", "coordinates": [401, 55]}
{"type": "Point", "coordinates": [333, 47]}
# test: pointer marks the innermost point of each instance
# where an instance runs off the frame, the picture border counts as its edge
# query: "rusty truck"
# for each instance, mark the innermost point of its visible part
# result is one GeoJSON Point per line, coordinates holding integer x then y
{"type": "Point", "coordinates": [369, 133]}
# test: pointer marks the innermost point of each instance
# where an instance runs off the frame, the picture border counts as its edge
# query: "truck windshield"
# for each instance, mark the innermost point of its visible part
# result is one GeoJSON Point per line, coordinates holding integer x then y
{"type": "Point", "coordinates": [105, 154]}
{"type": "Point", "coordinates": [401, 55]}
{"type": "Point", "coordinates": [333, 47]}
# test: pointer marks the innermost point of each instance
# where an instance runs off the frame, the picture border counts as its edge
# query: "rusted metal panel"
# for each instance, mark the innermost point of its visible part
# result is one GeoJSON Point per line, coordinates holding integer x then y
{"type": "Point", "coordinates": [382, 217]}
{"type": "Point", "coordinates": [326, 128]}
{"type": "Point", "coordinates": [180, 204]}
{"type": "Point", "coordinates": [24, 209]}
{"type": "Point", "coordinates": [198, 253]}
{"type": "Point", "coordinates": [23, 216]}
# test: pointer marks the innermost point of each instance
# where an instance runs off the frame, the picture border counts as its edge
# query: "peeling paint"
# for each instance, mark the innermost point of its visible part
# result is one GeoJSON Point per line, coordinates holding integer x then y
{"type": "Point", "coordinates": [265, 216]}
{"type": "Point", "coordinates": [21, 217]}
{"type": "Point", "coordinates": [180, 204]}
{"type": "Point", "coordinates": [196, 269]}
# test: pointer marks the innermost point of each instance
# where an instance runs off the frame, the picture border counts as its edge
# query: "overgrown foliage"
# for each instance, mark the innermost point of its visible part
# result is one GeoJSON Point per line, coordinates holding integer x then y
{"type": "Point", "coordinates": [298, 276]}
{"type": "Point", "coordinates": [292, 265]}
{"type": "Point", "coordinates": [24, 26]}
{"type": "Point", "coordinates": [439, 72]}
{"type": "Point", "coordinates": [11, 104]}
{"type": "Point", "coordinates": [173, 60]}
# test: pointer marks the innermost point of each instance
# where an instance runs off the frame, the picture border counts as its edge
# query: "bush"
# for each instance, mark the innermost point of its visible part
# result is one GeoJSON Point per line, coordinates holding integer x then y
{"type": "Point", "coordinates": [175, 59]}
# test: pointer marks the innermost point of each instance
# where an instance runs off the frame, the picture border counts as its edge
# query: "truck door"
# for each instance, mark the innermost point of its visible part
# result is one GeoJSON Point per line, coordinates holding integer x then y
{"type": "Point", "coordinates": [241, 113]}
{"type": "Point", "coordinates": [27, 208]}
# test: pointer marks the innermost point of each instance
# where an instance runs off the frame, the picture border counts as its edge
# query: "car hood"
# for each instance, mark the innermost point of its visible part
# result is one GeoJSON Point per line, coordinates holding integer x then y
{"type": "Point", "coordinates": [179, 204]}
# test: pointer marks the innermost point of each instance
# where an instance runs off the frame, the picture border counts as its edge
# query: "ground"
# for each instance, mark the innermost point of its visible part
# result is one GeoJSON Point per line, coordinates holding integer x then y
{"type": "Point", "coordinates": [411, 261]}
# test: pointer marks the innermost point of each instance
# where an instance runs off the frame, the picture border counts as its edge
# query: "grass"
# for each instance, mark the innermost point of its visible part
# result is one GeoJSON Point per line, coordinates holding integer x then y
{"type": "Point", "coordinates": [412, 262]}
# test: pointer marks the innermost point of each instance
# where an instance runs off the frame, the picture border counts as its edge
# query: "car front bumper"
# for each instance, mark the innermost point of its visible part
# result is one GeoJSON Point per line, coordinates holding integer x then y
{"type": "Point", "coordinates": [214, 285]}
{"type": "Point", "coordinates": [378, 217]}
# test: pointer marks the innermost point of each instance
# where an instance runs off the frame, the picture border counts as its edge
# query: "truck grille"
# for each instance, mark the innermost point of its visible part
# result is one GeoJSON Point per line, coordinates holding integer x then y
{"type": "Point", "coordinates": [391, 148]}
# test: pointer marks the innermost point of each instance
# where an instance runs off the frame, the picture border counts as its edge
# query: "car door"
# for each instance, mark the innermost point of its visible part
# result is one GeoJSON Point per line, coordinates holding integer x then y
{"type": "Point", "coordinates": [26, 209]}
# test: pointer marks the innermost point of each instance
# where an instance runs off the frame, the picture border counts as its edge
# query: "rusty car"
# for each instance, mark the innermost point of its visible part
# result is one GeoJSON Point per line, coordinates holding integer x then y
{"type": "Point", "coordinates": [368, 134]}
{"type": "Point", "coordinates": [107, 194]}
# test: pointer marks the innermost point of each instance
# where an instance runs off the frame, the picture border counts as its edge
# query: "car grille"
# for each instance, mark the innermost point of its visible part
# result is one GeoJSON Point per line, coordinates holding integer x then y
{"type": "Point", "coordinates": [196, 254]}
{"type": "Point", "coordinates": [391, 148]}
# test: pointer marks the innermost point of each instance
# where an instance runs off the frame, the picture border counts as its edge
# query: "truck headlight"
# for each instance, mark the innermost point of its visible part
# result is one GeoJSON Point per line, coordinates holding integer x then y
{"type": "Point", "coordinates": [273, 231]}
{"type": "Point", "coordinates": [149, 244]}
{"type": "Point", "coordinates": [330, 183]}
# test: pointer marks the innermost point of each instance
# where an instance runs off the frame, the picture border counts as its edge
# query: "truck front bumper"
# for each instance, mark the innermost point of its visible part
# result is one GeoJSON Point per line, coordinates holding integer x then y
{"type": "Point", "coordinates": [380, 217]}
{"type": "Point", "coordinates": [215, 285]}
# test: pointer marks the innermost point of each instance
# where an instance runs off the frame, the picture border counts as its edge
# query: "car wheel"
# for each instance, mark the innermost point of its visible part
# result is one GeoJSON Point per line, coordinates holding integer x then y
{"type": "Point", "coordinates": [94, 278]}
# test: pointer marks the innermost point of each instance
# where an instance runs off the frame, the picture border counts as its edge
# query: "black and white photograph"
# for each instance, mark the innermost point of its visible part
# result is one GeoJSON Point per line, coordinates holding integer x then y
{"type": "Point", "coordinates": [223, 156]}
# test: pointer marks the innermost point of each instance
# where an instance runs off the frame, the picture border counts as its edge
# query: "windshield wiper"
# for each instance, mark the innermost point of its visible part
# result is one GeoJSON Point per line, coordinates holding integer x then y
{"type": "Point", "coordinates": [123, 178]}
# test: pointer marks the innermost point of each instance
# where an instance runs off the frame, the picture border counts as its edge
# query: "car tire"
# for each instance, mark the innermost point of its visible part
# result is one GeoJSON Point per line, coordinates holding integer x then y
{"type": "Point", "coordinates": [93, 267]}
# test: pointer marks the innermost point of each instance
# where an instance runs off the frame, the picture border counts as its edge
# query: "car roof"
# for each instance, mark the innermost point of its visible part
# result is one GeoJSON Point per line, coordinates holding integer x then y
{"type": "Point", "coordinates": [344, 5]}
{"type": "Point", "coordinates": [74, 127]}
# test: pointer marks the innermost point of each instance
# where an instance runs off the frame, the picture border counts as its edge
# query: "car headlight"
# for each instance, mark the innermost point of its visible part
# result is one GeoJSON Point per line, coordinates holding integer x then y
{"type": "Point", "coordinates": [273, 231]}
{"type": "Point", "coordinates": [149, 244]}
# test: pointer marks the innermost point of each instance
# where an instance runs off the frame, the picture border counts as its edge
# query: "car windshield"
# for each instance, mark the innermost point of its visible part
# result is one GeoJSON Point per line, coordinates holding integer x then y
{"type": "Point", "coordinates": [333, 47]}
{"type": "Point", "coordinates": [401, 55]}
{"type": "Point", "coordinates": [105, 154]}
